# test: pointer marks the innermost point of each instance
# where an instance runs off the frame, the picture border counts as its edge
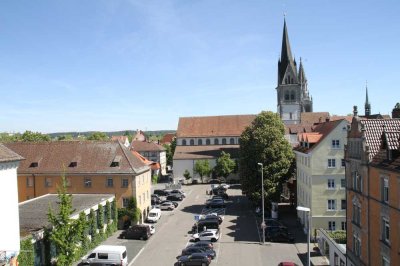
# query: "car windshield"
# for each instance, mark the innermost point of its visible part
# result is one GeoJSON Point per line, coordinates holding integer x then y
{"type": "Point", "coordinates": [152, 214]}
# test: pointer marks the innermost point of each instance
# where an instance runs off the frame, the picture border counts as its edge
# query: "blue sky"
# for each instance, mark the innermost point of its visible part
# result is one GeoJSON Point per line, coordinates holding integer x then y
{"type": "Point", "coordinates": [116, 65]}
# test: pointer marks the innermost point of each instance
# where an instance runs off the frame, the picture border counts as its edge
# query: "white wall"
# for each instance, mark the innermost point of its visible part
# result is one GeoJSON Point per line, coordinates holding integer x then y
{"type": "Point", "coordinates": [9, 221]}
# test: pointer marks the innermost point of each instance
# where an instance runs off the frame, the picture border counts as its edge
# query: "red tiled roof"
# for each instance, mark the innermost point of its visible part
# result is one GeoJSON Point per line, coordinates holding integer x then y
{"type": "Point", "coordinates": [210, 126]}
{"type": "Point", "coordinates": [90, 156]}
{"type": "Point", "coordinates": [138, 145]}
{"type": "Point", "coordinates": [7, 155]}
{"type": "Point", "coordinates": [205, 151]}
{"type": "Point", "coordinates": [123, 139]}
{"type": "Point", "coordinates": [313, 117]}
{"type": "Point", "coordinates": [340, 117]}
{"type": "Point", "coordinates": [167, 138]}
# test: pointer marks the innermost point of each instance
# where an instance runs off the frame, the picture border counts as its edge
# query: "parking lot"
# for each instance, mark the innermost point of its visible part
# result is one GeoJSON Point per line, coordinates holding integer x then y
{"type": "Point", "coordinates": [239, 243]}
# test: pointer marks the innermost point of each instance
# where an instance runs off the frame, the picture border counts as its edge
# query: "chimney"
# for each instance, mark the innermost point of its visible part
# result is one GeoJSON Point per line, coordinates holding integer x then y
{"type": "Point", "coordinates": [327, 118]}
{"type": "Point", "coordinates": [396, 111]}
{"type": "Point", "coordinates": [355, 112]}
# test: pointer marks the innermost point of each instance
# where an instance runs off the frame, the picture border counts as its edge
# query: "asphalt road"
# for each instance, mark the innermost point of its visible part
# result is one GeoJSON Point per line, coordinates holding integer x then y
{"type": "Point", "coordinates": [239, 243]}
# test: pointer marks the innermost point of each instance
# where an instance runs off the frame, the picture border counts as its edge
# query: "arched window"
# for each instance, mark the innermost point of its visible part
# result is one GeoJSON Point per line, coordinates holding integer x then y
{"type": "Point", "coordinates": [216, 142]}
{"type": "Point", "coordinates": [184, 142]}
{"type": "Point", "coordinates": [292, 95]}
{"type": "Point", "coordinates": [208, 142]}
{"type": "Point", "coordinates": [232, 141]}
{"type": "Point", "coordinates": [224, 141]}
{"type": "Point", "coordinates": [192, 142]}
{"type": "Point", "coordinates": [286, 95]}
{"type": "Point", "coordinates": [200, 142]}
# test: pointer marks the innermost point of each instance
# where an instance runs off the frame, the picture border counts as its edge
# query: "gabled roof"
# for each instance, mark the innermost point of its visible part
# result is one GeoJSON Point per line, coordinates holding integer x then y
{"type": "Point", "coordinates": [7, 155]}
{"type": "Point", "coordinates": [141, 146]}
{"type": "Point", "coordinates": [167, 138]}
{"type": "Point", "coordinates": [90, 157]}
{"type": "Point", "coordinates": [123, 139]}
{"type": "Point", "coordinates": [314, 117]}
{"type": "Point", "coordinates": [213, 126]}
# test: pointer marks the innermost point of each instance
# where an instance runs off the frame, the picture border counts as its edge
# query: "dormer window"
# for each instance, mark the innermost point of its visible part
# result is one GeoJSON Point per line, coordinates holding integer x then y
{"type": "Point", "coordinates": [115, 162]}
{"type": "Point", "coordinates": [34, 164]}
{"type": "Point", "coordinates": [73, 164]}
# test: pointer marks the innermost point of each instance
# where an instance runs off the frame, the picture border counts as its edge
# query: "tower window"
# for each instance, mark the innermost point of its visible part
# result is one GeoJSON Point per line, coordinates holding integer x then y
{"type": "Point", "coordinates": [292, 95]}
{"type": "Point", "coordinates": [286, 96]}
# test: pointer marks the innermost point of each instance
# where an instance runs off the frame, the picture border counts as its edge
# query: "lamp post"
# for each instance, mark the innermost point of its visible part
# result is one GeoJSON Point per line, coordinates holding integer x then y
{"type": "Point", "coordinates": [263, 225]}
{"type": "Point", "coordinates": [305, 209]}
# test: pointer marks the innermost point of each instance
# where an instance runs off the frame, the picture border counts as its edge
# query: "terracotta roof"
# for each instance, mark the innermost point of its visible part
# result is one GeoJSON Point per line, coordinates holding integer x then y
{"type": "Point", "coordinates": [123, 139]}
{"type": "Point", "coordinates": [373, 129]}
{"type": "Point", "coordinates": [153, 165]}
{"type": "Point", "coordinates": [139, 136]}
{"type": "Point", "coordinates": [340, 117]}
{"type": "Point", "coordinates": [210, 126]}
{"type": "Point", "coordinates": [33, 213]}
{"type": "Point", "coordinates": [205, 152]}
{"type": "Point", "coordinates": [319, 133]}
{"type": "Point", "coordinates": [392, 139]}
{"type": "Point", "coordinates": [167, 138]}
{"type": "Point", "coordinates": [298, 128]}
{"type": "Point", "coordinates": [314, 117]}
{"type": "Point", "coordinates": [7, 155]}
{"type": "Point", "coordinates": [138, 145]}
{"type": "Point", "coordinates": [89, 156]}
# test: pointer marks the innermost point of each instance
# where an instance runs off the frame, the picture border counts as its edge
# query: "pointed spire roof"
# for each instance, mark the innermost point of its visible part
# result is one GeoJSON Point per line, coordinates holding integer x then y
{"type": "Point", "coordinates": [367, 105]}
{"type": "Point", "coordinates": [302, 74]}
{"type": "Point", "coordinates": [366, 93]}
{"type": "Point", "coordinates": [286, 59]}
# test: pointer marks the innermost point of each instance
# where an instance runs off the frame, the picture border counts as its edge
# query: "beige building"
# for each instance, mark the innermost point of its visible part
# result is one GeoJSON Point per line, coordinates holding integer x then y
{"type": "Point", "coordinates": [90, 167]}
{"type": "Point", "coordinates": [321, 175]}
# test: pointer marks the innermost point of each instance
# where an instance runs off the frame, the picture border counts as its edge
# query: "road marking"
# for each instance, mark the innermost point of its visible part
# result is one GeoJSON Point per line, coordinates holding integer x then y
{"type": "Point", "coordinates": [137, 255]}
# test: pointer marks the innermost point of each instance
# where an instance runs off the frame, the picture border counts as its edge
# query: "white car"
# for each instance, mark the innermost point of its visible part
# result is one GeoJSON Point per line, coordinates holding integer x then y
{"type": "Point", "coordinates": [167, 206]}
{"type": "Point", "coordinates": [206, 236]}
{"type": "Point", "coordinates": [154, 215]}
{"type": "Point", "coordinates": [152, 228]}
{"type": "Point", "coordinates": [224, 186]}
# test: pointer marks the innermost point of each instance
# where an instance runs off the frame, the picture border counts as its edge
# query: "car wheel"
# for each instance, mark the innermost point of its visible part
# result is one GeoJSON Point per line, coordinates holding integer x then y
{"type": "Point", "coordinates": [213, 240]}
{"type": "Point", "coordinates": [197, 240]}
{"type": "Point", "coordinates": [141, 238]}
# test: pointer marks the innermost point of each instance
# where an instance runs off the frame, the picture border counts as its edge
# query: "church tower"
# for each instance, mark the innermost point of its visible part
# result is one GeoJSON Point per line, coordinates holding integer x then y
{"type": "Point", "coordinates": [292, 89]}
{"type": "Point", "coordinates": [367, 105]}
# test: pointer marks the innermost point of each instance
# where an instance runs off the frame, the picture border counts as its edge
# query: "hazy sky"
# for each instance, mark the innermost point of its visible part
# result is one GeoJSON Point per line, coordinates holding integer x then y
{"type": "Point", "coordinates": [115, 65]}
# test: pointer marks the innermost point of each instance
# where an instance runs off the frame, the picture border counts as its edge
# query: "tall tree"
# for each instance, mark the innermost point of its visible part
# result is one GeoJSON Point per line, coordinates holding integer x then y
{"type": "Point", "coordinates": [97, 136]}
{"type": "Point", "coordinates": [187, 175]}
{"type": "Point", "coordinates": [202, 168]}
{"type": "Point", "coordinates": [29, 136]}
{"type": "Point", "coordinates": [264, 142]}
{"type": "Point", "coordinates": [225, 165]}
{"type": "Point", "coordinates": [65, 232]}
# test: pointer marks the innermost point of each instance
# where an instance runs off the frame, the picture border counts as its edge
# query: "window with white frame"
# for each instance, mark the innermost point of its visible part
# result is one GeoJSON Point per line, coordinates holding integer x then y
{"type": "Point", "coordinates": [331, 163]}
{"type": "Point", "coordinates": [331, 204]}
{"type": "Point", "coordinates": [110, 182]}
{"type": "Point", "coordinates": [385, 190]}
{"type": "Point", "coordinates": [124, 182]}
{"type": "Point", "coordinates": [343, 183]}
{"type": "Point", "coordinates": [344, 226]}
{"type": "Point", "coordinates": [356, 246]}
{"type": "Point", "coordinates": [125, 202]}
{"type": "Point", "coordinates": [357, 181]}
{"type": "Point", "coordinates": [331, 183]}
{"type": "Point", "coordinates": [356, 214]}
{"type": "Point", "coordinates": [335, 144]}
{"type": "Point", "coordinates": [385, 230]}
{"type": "Point", "coordinates": [332, 226]}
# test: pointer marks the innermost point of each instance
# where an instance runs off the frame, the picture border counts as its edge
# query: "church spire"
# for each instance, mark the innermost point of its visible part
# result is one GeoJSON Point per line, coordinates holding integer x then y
{"type": "Point", "coordinates": [367, 105]}
{"type": "Point", "coordinates": [286, 56]}
{"type": "Point", "coordinates": [302, 74]}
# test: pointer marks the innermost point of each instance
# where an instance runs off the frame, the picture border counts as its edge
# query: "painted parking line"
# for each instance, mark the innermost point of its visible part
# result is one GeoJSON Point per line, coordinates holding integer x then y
{"type": "Point", "coordinates": [137, 255]}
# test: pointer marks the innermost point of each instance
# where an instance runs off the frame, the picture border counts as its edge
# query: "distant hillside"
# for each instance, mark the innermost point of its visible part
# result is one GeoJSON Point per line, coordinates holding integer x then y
{"type": "Point", "coordinates": [112, 133]}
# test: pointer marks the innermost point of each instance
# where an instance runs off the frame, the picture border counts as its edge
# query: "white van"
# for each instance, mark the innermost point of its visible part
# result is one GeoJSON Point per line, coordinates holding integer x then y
{"type": "Point", "coordinates": [107, 255]}
{"type": "Point", "coordinates": [154, 215]}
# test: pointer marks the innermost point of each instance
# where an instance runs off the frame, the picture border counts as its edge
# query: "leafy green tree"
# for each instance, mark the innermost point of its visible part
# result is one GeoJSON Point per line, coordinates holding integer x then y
{"type": "Point", "coordinates": [170, 150]}
{"type": "Point", "coordinates": [97, 136]}
{"type": "Point", "coordinates": [92, 226]}
{"type": "Point", "coordinates": [83, 239]}
{"type": "Point", "coordinates": [107, 211]}
{"type": "Point", "coordinates": [65, 231]}
{"type": "Point", "coordinates": [225, 165]}
{"type": "Point", "coordinates": [6, 137]}
{"type": "Point", "coordinates": [26, 256]}
{"type": "Point", "coordinates": [154, 179]}
{"type": "Point", "coordinates": [187, 175]}
{"type": "Point", "coordinates": [65, 137]}
{"type": "Point", "coordinates": [29, 136]}
{"type": "Point", "coordinates": [202, 168]}
{"type": "Point", "coordinates": [264, 142]}
{"type": "Point", "coordinates": [100, 218]}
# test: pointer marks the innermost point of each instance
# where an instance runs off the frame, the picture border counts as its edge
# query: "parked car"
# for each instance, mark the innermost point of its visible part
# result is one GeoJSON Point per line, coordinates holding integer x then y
{"type": "Point", "coordinates": [203, 243]}
{"type": "Point", "coordinates": [138, 231]}
{"type": "Point", "coordinates": [167, 206]}
{"type": "Point", "coordinates": [208, 235]}
{"type": "Point", "coordinates": [155, 201]}
{"type": "Point", "coordinates": [174, 197]}
{"type": "Point", "coordinates": [211, 218]}
{"type": "Point", "coordinates": [212, 214]}
{"type": "Point", "coordinates": [106, 255]}
{"type": "Point", "coordinates": [216, 203]}
{"type": "Point", "coordinates": [190, 250]}
{"type": "Point", "coordinates": [179, 191]}
{"type": "Point", "coordinates": [196, 259]}
{"type": "Point", "coordinates": [173, 202]}
{"type": "Point", "coordinates": [154, 215]}
{"type": "Point", "coordinates": [273, 223]}
{"type": "Point", "coordinates": [279, 234]}
{"type": "Point", "coordinates": [225, 186]}
{"type": "Point", "coordinates": [214, 181]}
{"type": "Point", "coordinates": [152, 228]}
{"type": "Point", "coordinates": [204, 225]}
{"type": "Point", "coordinates": [160, 192]}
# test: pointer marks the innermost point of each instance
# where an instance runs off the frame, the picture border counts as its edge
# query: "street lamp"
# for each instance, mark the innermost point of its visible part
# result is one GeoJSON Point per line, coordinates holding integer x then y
{"type": "Point", "coordinates": [263, 225]}
{"type": "Point", "coordinates": [305, 209]}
